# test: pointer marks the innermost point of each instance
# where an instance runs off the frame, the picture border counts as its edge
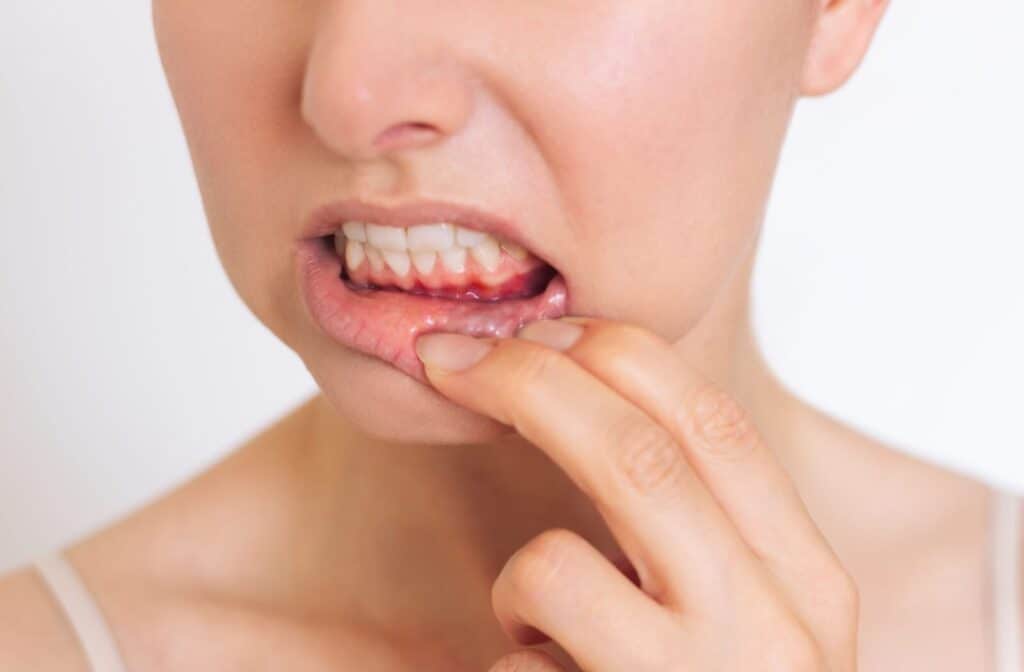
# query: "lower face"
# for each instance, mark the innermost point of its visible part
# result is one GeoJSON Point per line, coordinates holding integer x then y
{"type": "Point", "coordinates": [628, 149]}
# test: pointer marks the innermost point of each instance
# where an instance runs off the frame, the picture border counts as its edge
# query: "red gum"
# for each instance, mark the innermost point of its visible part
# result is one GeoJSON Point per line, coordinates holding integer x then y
{"type": "Point", "coordinates": [385, 324]}
{"type": "Point", "coordinates": [512, 278]}
{"type": "Point", "coordinates": [519, 286]}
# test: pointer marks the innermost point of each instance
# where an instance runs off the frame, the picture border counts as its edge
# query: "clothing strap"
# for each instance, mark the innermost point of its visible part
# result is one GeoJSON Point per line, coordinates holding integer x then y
{"type": "Point", "coordinates": [101, 651]}
{"type": "Point", "coordinates": [82, 612]}
{"type": "Point", "coordinates": [1006, 569]}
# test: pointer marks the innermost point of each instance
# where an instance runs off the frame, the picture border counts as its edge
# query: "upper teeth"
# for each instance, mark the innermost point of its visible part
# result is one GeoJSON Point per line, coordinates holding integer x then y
{"type": "Point", "coordinates": [354, 231]}
{"type": "Point", "coordinates": [449, 240]}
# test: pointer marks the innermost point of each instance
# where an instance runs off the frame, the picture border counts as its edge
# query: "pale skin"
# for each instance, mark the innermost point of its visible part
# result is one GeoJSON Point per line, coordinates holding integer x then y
{"type": "Point", "coordinates": [732, 572]}
{"type": "Point", "coordinates": [377, 526]}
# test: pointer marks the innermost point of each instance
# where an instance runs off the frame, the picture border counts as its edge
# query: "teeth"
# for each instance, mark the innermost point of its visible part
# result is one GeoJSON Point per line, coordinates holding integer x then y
{"type": "Point", "coordinates": [434, 237]}
{"type": "Point", "coordinates": [424, 261]}
{"type": "Point", "coordinates": [469, 237]}
{"type": "Point", "coordinates": [400, 249]}
{"type": "Point", "coordinates": [517, 251]}
{"type": "Point", "coordinates": [487, 253]}
{"type": "Point", "coordinates": [454, 259]}
{"type": "Point", "coordinates": [354, 231]}
{"type": "Point", "coordinates": [386, 237]}
{"type": "Point", "coordinates": [354, 254]}
{"type": "Point", "coordinates": [398, 261]}
{"type": "Point", "coordinates": [376, 261]}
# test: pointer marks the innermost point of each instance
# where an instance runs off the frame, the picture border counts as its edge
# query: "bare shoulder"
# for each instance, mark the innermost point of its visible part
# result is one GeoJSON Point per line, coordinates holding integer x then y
{"type": "Point", "coordinates": [150, 571]}
{"type": "Point", "coordinates": [33, 632]}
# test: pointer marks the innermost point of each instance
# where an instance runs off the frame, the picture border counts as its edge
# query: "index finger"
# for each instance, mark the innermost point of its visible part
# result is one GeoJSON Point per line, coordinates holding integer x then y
{"type": "Point", "coordinates": [726, 450]}
{"type": "Point", "coordinates": [716, 432]}
{"type": "Point", "coordinates": [684, 547]}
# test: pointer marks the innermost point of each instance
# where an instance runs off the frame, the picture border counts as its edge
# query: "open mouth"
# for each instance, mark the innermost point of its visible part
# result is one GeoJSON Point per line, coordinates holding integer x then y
{"type": "Point", "coordinates": [376, 288]}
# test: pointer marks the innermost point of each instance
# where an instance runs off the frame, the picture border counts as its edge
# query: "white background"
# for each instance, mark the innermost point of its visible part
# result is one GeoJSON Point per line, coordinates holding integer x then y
{"type": "Point", "coordinates": [888, 290]}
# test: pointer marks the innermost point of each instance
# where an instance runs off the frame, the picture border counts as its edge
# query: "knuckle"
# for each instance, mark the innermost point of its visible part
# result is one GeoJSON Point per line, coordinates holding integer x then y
{"type": "Point", "coordinates": [793, 649]}
{"type": "Point", "coordinates": [849, 599]}
{"type": "Point", "coordinates": [843, 593]}
{"type": "Point", "coordinates": [647, 455]}
{"type": "Point", "coordinates": [723, 426]}
{"type": "Point", "coordinates": [538, 565]}
{"type": "Point", "coordinates": [526, 661]}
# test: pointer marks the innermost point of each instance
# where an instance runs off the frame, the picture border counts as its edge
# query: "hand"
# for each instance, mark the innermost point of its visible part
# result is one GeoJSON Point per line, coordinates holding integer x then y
{"type": "Point", "coordinates": [733, 574]}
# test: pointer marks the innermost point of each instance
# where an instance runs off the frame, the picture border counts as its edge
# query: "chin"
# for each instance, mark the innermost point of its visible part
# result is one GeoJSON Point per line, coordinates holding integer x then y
{"type": "Point", "coordinates": [384, 403]}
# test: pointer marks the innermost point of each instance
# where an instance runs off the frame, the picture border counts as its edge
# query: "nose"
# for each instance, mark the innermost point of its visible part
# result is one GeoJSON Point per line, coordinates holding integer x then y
{"type": "Point", "coordinates": [380, 80]}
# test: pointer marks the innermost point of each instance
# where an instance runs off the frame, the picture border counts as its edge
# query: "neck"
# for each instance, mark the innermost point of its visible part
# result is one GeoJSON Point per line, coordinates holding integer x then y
{"type": "Point", "coordinates": [486, 500]}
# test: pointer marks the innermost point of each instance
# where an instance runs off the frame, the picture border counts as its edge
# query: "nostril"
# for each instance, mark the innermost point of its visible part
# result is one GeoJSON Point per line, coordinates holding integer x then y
{"type": "Point", "coordinates": [408, 134]}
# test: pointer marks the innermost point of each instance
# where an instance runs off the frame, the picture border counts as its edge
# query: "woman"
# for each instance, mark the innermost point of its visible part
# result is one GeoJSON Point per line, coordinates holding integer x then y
{"type": "Point", "coordinates": [594, 468]}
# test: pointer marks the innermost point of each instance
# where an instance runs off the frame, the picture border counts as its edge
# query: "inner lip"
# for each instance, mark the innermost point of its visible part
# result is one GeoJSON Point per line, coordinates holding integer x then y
{"type": "Point", "coordinates": [385, 324]}
{"type": "Point", "coordinates": [524, 286]}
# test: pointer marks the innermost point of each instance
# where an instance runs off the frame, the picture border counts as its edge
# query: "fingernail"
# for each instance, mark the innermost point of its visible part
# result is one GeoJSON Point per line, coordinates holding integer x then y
{"type": "Point", "coordinates": [552, 333]}
{"type": "Point", "coordinates": [451, 352]}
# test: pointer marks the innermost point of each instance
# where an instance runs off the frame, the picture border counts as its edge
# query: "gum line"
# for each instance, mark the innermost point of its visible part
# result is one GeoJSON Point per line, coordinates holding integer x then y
{"type": "Point", "coordinates": [475, 281]}
{"type": "Point", "coordinates": [385, 324]}
{"type": "Point", "coordinates": [529, 283]}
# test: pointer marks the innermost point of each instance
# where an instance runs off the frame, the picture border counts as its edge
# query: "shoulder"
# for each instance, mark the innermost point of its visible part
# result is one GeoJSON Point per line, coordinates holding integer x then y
{"type": "Point", "coordinates": [151, 571]}
{"type": "Point", "coordinates": [33, 632]}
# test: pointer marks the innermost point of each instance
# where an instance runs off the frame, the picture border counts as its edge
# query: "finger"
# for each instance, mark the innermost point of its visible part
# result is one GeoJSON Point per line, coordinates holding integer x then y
{"type": "Point", "coordinates": [724, 448]}
{"type": "Point", "coordinates": [527, 661]}
{"type": "Point", "coordinates": [560, 585]}
{"type": "Point", "coordinates": [683, 546]}
{"type": "Point", "coordinates": [717, 434]}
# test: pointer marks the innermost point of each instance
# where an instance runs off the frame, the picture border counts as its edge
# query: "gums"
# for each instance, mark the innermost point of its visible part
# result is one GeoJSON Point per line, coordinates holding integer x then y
{"type": "Point", "coordinates": [385, 323]}
{"type": "Point", "coordinates": [521, 286]}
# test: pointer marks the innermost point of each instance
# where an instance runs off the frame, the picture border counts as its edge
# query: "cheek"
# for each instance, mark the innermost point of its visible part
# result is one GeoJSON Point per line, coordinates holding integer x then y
{"type": "Point", "coordinates": [233, 69]}
{"type": "Point", "coordinates": [667, 147]}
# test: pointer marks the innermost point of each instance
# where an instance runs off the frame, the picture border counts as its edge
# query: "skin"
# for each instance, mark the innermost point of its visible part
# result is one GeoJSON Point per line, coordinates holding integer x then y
{"type": "Point", "coordinates": [678, 471]}
{"type": "Point", "coordinates": [374, 527]}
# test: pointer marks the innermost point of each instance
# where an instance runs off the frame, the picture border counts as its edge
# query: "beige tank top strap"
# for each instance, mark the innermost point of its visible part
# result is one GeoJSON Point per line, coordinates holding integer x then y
{"type": "Point", "coordinates": [1006, 581]}
{"type": "Point", "coordinates": [102, 653]}
{"type": "Point", "coordinates": [82, 612]}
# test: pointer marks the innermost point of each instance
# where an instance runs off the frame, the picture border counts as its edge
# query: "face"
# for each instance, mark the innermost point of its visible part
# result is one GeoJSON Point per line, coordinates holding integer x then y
{"type": "Point", "coordinates": [629, 144]}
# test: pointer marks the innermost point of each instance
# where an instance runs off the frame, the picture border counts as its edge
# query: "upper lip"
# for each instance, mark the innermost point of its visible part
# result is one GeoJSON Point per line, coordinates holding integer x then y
{"type": "Point", "coordinates": [328, 218]}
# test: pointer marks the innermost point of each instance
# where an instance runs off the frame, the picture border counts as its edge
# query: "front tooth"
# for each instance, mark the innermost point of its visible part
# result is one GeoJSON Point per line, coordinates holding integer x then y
{"type": "Point", "coordinates": [517, 251]}
{"type": "Point", "coordinates": [487, 253]}
{"type": "Point", "coordinates": [424, 261]}
{"type": "Point", "coordinates": [354, 254]}
{"type": "Point", "coordinates": [376, 261]}
{"type": "Point", "coordinates": [454, 259]}
{"type": "Point", "coordinates": [434, 237]}
{"type": "Point", "coordinates": [469, 237]}
{"type": "Point", "coordinates": [398, 261]}
{"type": "Point", "coordinates": [354, 231]}
{"type": "Point", "coordinates": [386, 237]}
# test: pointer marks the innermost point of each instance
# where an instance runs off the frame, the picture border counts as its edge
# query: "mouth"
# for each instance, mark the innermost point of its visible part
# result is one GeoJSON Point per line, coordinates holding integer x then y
{"type": "Point", "coordinates": [374, 280]}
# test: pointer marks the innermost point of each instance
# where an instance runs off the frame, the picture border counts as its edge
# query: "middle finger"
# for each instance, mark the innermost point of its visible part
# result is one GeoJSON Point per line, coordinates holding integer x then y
{"type": "Point", "coordinates": [684, 547]}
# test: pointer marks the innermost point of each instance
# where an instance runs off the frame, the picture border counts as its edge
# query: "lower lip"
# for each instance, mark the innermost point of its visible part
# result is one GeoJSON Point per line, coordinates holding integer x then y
{"type": "Point", "coordinates": [385, 324]}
